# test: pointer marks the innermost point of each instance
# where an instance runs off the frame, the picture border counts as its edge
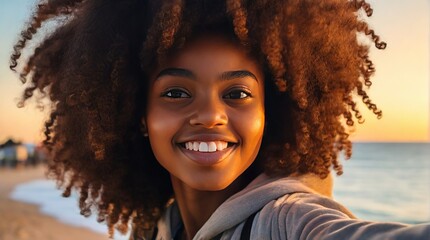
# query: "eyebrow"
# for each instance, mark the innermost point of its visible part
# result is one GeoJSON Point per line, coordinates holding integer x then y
{"type": "Point", "coordinates": [181, 72]}
{"type": "Point", "coordinates": [238, 74]}
{"type": "Point", "coordinates": [177, 72]}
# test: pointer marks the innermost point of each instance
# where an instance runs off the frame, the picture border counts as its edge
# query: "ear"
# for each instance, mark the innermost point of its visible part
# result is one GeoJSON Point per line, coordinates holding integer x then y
{"type": "Point", "coordinates": [143, 127]}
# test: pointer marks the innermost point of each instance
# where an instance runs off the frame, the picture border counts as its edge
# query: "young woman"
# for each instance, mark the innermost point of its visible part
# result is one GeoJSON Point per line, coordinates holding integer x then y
{"type": "Point", "coordinates": [198, 119]}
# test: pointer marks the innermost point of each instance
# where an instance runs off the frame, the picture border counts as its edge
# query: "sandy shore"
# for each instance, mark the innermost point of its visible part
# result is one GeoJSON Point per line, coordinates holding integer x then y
{"type": "Point", "coordinates": [20, 221]}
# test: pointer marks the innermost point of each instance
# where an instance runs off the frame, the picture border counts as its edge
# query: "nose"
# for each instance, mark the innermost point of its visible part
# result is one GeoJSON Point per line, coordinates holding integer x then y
{"type": "Point", "coordinates": [210, 113]}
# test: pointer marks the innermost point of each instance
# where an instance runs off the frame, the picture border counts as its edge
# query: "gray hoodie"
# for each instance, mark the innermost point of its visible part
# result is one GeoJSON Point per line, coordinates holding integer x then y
{"type": "Point", "coordinates": [289, 208]}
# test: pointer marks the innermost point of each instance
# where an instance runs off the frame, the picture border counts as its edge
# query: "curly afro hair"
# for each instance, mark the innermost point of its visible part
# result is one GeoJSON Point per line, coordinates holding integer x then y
{"type": "Point", "coordinates": [94, 68]}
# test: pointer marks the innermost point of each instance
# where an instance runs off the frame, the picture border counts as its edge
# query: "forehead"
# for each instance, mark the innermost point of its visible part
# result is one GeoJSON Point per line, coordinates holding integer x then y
{"type": "Point", "coordinates": [211, 51]}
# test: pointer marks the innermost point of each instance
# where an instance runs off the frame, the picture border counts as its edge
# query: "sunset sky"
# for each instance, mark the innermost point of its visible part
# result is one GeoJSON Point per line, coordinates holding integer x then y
{"type": "Point", "coordinates": [401, 84]}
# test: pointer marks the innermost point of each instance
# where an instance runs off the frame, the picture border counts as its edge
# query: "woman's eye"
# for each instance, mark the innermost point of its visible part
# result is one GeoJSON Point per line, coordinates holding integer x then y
{"type": "Point", "coordinates": [175, 93]}
{"type": "Point", "coordinates": [237, 94]}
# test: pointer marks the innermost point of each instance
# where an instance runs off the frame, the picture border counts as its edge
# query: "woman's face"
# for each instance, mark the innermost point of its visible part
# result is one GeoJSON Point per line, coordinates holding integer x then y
{"type": "Point", "coordinates": [205, 115]}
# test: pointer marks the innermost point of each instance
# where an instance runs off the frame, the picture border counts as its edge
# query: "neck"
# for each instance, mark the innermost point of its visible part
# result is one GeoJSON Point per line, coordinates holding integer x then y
{"type": "Point", "coordinates": [197, 206]}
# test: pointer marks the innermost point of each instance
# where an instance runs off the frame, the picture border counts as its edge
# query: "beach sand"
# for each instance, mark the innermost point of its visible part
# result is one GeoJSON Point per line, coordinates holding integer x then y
{"type": "Point", "coordinates": [20, 221]}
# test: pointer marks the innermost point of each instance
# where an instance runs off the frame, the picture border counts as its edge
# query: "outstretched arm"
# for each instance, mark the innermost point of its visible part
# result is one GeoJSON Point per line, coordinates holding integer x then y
{"type": "Point", "coordinates": [314, 217]}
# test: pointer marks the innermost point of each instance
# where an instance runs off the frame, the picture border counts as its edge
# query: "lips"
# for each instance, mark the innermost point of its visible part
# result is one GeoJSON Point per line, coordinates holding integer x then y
{"type": "Point", "coordinates": [207, 151]}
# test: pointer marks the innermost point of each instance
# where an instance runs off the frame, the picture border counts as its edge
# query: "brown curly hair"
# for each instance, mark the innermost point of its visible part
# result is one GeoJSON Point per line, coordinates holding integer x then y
{"type": "Point", "coordinates": [94, 68]}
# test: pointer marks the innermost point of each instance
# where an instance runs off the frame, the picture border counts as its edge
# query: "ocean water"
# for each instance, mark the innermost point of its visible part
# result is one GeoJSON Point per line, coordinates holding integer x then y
{"type": "Point", "coordinates": [381, 182]}
{"type": "Point", "coordinates": [387, 182]}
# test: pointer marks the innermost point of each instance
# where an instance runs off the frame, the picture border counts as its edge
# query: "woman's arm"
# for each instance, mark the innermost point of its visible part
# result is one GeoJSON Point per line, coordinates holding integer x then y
{"type": "Point", "coordinates": [311, 216]}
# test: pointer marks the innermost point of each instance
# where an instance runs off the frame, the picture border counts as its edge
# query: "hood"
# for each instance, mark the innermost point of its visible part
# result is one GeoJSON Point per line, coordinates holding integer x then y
{"type": "Point", "coordinates": [256, 195]}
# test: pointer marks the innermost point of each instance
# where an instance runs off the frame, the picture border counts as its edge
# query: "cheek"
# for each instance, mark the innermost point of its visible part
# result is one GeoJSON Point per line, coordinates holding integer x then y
{"type": "Point", "coordinates": [256, 134]}
{"type": "Point", "coordinates": [160, 119]}
{"type": "Point", "coordinates": [160, 122]}
{"type": "Point", "coordinates": [250, 127]}
{"type": "Point", "coordinates": [162, 126]}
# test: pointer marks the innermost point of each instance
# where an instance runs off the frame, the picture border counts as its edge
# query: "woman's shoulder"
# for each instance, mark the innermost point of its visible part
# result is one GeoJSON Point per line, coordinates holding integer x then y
{"type": "Point", "coordinates": [302, 202]}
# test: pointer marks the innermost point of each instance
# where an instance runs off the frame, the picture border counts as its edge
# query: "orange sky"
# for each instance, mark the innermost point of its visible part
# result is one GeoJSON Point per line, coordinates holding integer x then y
{"type": "Point", "coordinates": [401, 84]}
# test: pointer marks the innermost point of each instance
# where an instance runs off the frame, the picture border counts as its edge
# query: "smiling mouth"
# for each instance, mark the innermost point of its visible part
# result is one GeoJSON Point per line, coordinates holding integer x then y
{"type": "Point", "coordinates": [210, 146]}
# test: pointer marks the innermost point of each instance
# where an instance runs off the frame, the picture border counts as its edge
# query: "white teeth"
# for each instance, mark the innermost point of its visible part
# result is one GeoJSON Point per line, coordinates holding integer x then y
{"type": "Point", "coordinates": [203, 147]}
{"type": "Point", "coordinates": [221, 145]}
{"type": "Point", "coordinates": [206, 146]}
{"type": "Point", "coordinates": [196, 146]}
{"type": "Point", "coordinates": [212, 147]}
